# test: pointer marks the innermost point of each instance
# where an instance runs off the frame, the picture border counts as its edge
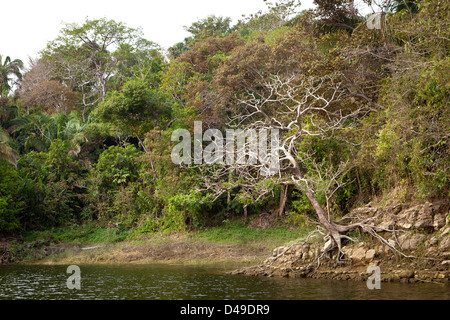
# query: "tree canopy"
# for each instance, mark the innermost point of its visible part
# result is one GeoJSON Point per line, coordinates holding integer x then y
{"type": "Point", "coordinates": [360, 112]}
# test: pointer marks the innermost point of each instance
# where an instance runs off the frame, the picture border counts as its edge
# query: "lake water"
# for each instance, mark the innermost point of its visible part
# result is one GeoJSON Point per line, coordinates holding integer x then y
{"type": "Point", "coordinates": [160, 282]}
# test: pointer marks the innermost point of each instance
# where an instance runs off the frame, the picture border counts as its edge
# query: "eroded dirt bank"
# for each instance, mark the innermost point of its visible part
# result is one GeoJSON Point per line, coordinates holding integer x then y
{"type": "Point", "coordinates": [175, 249]}
{"type": "Point", "coordinates": [419, 234]}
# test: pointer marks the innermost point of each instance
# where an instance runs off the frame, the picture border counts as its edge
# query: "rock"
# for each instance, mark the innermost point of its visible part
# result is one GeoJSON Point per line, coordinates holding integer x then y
{"type": "Point", "coordinates": [432, 252]}
{"type": "Point", "coordinates": [441, 276]}
{"type": "Point", "coordinates": [268, 260]}
{"type": "Point", "coordinates": [387, 223]}
{"type": "Point", "coordinates": [402, 238]}
{"type": "Point", "coordinates": [359, 254]}
{"type": "Point", "coordinates": [347, 251]}
{"type": "Point", "coordinates": [433, 242]}
{"type": "Point", "coordinates": [439, 221]}
{"type": "Point", "coordinates": [327, 245]}
{"type": "Point", "coordinates": [378, 248]}
{"type": "Point", "coordinates": [370, 254]}
{"type": "Point", "coordinates": [365, 212]}
{"type": "Point", "coordinates": [278, 251]}
{"type": "Point", "coordinates": [406, 274]}
{"type": "Point", "coordinates": [305, 255]}
{"type": "Point", "coordinates": [445, 244]}
{"type": "Point", "coordinates": [424, 217]}
{"type": "Point", "coordinates": [299, 251]}
{"type": "Point", "coordinates": [406, 218]}
{"type": "Point", "coordinates": [392, 243]}
{"type": "Point", "coordinates": [444, 232]}
{"type": "Point", "coordinates": [413, 242]}
{"type": "Point", "coordinates": [311, 253]}
{"type": "Point", "coordinates": [396, 209]}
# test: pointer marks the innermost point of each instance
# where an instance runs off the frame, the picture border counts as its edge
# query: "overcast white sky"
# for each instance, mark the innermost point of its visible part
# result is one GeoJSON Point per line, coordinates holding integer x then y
{"type": "Point", "coordinates": [28, 25]}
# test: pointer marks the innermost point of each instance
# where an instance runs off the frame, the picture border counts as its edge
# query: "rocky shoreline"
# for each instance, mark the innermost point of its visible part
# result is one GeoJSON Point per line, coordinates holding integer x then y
{"type": "Point", "coordinates": [419, 233]}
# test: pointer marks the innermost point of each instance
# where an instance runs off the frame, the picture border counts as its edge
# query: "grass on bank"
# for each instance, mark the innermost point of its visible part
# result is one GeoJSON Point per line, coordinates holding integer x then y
{"type": "Point", "coordinates": [234, 233]}
{"type": "Point", "coordinates": [78, 234]}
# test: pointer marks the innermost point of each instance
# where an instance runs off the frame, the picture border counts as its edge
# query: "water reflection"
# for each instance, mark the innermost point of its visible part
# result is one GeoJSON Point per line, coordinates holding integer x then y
{"type": "Point", "coordinates": [145, 282]}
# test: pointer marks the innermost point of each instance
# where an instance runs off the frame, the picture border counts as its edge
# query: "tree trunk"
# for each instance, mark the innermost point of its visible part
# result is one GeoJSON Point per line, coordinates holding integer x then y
{"type": "Point", "coordinates": [283, 198]}
{"type": "Point", "coordinates": [336, 231]}
{"type": "Point", "coordinates": [333, 229]}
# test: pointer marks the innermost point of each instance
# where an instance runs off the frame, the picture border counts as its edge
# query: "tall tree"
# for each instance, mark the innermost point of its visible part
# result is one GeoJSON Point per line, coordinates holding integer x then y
{"type": "Point", "coordinates": [9, 68]}
{"type": "Point", "coordinates": [143, 60]}
{"type": "Point", "coordinates": [84, 56]}
{"type": "Point", "coordinates": [135, 109]}
{"type": "Point", "coordinates": [276, 15]}
{"type": "Point", "coordinates": [39, 91]}
{"type": "Point", "coordinates": [300, 108]}
{"type": "Point", "coordinates": [341, 14]}
{"type": "Point", "coordinates": [212, 26]}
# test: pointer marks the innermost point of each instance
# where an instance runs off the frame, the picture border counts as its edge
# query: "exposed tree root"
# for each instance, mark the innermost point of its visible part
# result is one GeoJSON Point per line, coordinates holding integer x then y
{"type": "Point", "coordinates": [336, 237]}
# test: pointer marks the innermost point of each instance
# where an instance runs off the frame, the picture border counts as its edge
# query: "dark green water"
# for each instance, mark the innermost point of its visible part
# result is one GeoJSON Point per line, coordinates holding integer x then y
{"type": "Point", "coordinates": [150, 282]}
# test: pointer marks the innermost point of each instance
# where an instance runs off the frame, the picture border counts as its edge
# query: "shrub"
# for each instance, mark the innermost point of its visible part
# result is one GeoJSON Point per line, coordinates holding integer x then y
{"type": "Point", "coordinates": [10, 203]}
{"type": "Point", "coordinates": [110, 193]}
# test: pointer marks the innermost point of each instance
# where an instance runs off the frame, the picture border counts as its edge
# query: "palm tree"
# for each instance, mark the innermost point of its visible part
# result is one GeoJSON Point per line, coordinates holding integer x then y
{"type": "Point", "coordinates": [7, 68]}
{"type": "Point", "coordinates": [409, 5]}
{"type": "Point", "coordinates": [38, 130]}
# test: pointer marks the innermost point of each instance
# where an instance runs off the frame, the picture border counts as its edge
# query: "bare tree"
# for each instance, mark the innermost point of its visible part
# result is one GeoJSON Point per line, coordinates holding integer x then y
{"type": "Point", "coordinates": [39, 90]}
{"type": "Point", "coordinates": [79, 74]}
{"type": "Point", "coordinates": [298, 107]}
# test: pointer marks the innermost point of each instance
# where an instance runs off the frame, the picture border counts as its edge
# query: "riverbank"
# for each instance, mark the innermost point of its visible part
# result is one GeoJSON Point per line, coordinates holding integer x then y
{"type": "Point", "coordinates": [416, 248]}
{"type": "Point", "coordinates": [175, 249]}
{"type": "Point", "coordinates": [232, 243]}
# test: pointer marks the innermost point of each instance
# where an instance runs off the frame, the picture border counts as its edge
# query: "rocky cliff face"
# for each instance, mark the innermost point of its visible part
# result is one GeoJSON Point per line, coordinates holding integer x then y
{"type": "Point", "coordinates": [417, 249]}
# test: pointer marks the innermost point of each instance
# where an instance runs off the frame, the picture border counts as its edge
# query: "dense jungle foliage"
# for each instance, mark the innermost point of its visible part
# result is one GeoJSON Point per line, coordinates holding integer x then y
{"type": "Point", "coordinates": [86, 131]}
